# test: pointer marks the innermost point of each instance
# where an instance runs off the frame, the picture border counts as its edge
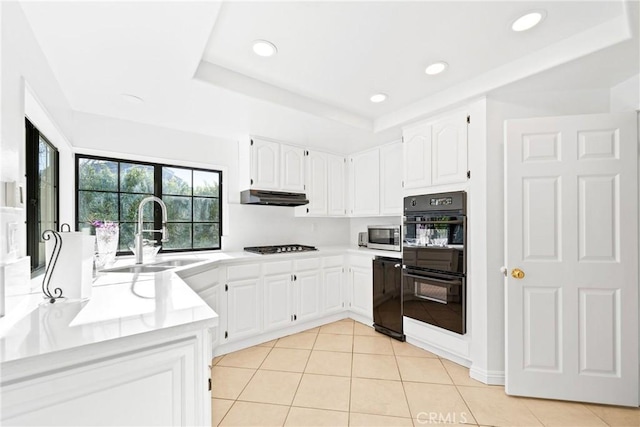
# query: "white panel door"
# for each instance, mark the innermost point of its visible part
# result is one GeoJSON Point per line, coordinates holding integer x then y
{"type": "Point", "coordinates": [332, 290]}
{"type": "Point", "coordinates": [391, 179]}
{"type": "Point", "coordinates": [244, 309]}
{"type": "Point", "coordinates": [265, 165]}
{"type": "Point", "coordinates": [449, 149]}
{"type": "Point", "coordinates": [365, 183]}
{"type": "Point", "coordinates": [292, 164]}
{"type": "Point", "coordinates": [336, 179]}
{"type": "Point", "coordinates": [572, 229]}
{"type": "Point", "coordinates": [317, 183]}
{"type": "Point", "coordinates": [307, 295]}
{"type": "Point", "coordinates": [416, 149]}
{"type": "Point", "coordinates": [277, 301]}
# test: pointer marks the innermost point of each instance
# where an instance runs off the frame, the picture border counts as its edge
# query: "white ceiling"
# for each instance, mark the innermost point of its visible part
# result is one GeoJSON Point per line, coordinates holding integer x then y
{"type": "Point", "coordinates": [341, 53]}
{"type": "Point", "coordinates": [192, 61]}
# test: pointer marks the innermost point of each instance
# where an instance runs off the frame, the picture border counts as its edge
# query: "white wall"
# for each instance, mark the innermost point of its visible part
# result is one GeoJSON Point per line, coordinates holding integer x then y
{"type": "Point", "coordinates": [23, 63]}
{"type": "Point", "coordinates": [243, 225]}
{"type": "Point", "coordinates": [625, 96]}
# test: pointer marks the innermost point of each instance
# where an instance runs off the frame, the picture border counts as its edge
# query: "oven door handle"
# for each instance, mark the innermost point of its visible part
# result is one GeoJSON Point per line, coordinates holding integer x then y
{"type": "Point", "coordinates": [432, 279]}
{"type": "Point", "coordinates": [459, 221]}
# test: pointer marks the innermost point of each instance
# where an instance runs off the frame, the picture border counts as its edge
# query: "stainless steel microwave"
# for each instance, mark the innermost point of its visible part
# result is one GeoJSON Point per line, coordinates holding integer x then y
{"type": "Point", "coordinates": [385, 237]}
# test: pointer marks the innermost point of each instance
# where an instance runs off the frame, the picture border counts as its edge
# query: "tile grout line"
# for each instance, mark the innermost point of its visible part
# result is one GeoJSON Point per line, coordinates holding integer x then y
{"type": "Point", "coordinates": [458, 390]}
{"type": "Point", "coordinates": [301, 377]}
{"type": "Point", "coordinates": [245, 386]}
{"type": "Point", "coordinates": [598, 416]}
{"type": "Point", "coordinates": [406, 399]}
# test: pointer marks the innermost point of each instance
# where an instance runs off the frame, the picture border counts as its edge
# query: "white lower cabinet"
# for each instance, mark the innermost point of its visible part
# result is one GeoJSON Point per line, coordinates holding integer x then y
{"type": "Point", "coordinates": [306, 291]}
{"type": "Point", "coordinates": [333, 284]}
{"type": "Point", "coordinates": [244, 302]}
{"type": "Point", "coordinates": [292, 292]}
{"type": "Point", "coordinates": [208, 287]}
{"type": "Point", "coordinates": [158, 385]}
{"type": "Point", "coordinates": [361, 286]}
{"type": "Point", "coordinates": [278, 299]}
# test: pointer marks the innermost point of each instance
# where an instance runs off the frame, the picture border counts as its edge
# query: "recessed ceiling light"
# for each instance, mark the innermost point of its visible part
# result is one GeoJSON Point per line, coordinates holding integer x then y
{"type": "Point", "coordinates": [436, 68]}
{"type": "Point", "coordinates": [132, 98]}
{"type": "Point", "coordinates": [378, 97]}
{"type": "Point", "coordinates": [528, 21]}
{"type": "Point", "coordinates": [264, 48]}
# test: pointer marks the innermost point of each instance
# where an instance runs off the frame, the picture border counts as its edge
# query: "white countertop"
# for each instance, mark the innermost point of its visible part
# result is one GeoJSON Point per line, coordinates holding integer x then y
{"type": "Point", "coordinates": [121, 305]}
{"type": "Point", "coordinates": [124, 304]}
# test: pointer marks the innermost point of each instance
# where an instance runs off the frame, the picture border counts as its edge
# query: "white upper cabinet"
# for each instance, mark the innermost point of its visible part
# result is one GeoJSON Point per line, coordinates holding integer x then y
{"type": "Point", "coordinates": [435, 152]}
{"type": "Point", "coordinates": [325, 185]}
{"type": "Point", "coordinates": [417, 156]}
{"type": "Point", "coordinates": [317, 183]}
{"type": "Point", "coordinates": [449, 149]}
{"type": "Point", "coordinates": [336, 178]}
{"type": "Point", "coordinates": [273, 166]}
{"type": "Point", "coordinates": [391, 179]}
{"type": "Point", "coordinates": [364, 183]}
{"type": "Point", "coordinates": [292, 168]}
{"type": "Point", "coordinates": [265, 164]}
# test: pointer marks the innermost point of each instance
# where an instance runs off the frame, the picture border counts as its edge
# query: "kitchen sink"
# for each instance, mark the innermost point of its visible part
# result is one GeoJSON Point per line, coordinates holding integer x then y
{"type": "Point", "coordinates": [138, 269]}
{"type": "Point", "coordinates": [155, 267]}
{"type": "Point", "coordinates": [172, 263]}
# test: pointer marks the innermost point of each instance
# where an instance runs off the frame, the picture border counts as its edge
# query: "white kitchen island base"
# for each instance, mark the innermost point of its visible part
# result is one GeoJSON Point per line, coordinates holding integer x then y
{"type": "Point", "coordinates": [144, 362]}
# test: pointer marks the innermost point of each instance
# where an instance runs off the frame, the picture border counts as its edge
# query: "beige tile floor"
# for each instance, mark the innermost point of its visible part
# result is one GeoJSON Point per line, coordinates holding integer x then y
{"type": "Point", "coordinates": [346, 374]}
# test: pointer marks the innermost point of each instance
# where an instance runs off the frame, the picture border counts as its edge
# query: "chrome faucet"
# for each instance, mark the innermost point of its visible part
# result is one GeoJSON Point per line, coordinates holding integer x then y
{"type": "Point", "coordinates": [138, 238]}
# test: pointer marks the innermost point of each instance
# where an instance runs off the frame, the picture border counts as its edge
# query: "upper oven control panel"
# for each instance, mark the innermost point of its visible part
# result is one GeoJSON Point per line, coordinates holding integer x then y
{"type": "Point", "coordinates": [456, 201]}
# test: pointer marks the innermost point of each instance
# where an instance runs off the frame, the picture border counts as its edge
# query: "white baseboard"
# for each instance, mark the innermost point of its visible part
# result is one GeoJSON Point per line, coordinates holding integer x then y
{"type": "Point", "coordinates": [439, 351]}
{"type": "Point", "coordinates": [360, 318]}
{"type": "Point", "coordinates": [487, 377]}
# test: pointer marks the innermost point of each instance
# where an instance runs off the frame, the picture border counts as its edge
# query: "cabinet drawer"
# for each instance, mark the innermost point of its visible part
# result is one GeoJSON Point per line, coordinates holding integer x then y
{"type": "Point", "coordinates": [243, 271]}
{"type": "Point", "coordinates": [280, 267]}
{"type": "Point", "coordinates": [307, 264]}
{"type": "Point", "coordinates": [333, 261]}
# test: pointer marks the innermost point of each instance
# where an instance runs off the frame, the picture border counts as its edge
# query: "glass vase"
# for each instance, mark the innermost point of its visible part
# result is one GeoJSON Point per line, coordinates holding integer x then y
{"type": "Point", "coordinates": [106, 245]}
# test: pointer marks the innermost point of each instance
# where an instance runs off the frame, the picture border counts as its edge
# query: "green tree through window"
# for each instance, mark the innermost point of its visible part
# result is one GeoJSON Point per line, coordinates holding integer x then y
{"type": "Point", "coordinates": [111, 190]}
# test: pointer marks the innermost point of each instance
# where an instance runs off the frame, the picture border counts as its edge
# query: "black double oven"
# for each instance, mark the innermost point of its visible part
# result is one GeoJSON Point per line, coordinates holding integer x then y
{"type": "Point", "coordinates": [434, 260]}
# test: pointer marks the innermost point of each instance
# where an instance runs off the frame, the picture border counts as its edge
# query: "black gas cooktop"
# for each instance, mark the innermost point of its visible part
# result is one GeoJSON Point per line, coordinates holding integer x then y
{"type": "Point", "coordinates": [279, 249]}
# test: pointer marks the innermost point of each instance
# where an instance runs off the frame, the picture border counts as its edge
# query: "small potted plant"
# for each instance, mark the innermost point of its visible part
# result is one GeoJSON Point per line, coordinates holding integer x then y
{"type": "Point", "coordinates": [107, 234]}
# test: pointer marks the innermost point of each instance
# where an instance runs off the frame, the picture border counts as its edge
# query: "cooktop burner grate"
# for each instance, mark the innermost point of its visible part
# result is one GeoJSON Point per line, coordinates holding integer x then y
{"type": "Point", "coordinates": [279, 249]}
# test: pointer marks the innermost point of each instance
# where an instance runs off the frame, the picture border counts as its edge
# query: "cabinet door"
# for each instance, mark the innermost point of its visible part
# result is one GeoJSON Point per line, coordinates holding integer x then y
{"type": "Point", "coordinates": [362, 291]}
{"type": "Point", "coordinates": [292, 168]}
{"type": "Point", "coordinates": [417, 156]}
{"type": "Point", "coordinates": [244, 310]}
{"type": "Point", "coordinates": [332, 299]}
{"type": "Point", "coordinates": [391, 179]}
{"type": "Point", "coordinates": [336, 179]}
{"type": "Point", "coordinates": [365, 183]}
{"type": "Point", "coordinates": [159, 386]}
{"type": "Point", "coordinates": [265, 165]}
{"type": "Point", "coordinates": [317, 183]}
{"type": "Point", "coordinates": [449, 149]}
{"type": "Point", "coordinates": [307, 295]}
{"type": "Point", "coordinates": [277, 301]}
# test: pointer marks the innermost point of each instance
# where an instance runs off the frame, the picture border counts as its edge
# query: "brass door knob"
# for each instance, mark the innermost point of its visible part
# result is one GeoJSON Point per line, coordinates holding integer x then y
{"type": "Point", "coordinates": [516, 273]}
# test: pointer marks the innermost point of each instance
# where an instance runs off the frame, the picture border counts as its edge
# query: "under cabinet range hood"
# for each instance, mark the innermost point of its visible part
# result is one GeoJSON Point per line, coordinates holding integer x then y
{"type": "Point", "coordinates": [272, 198]}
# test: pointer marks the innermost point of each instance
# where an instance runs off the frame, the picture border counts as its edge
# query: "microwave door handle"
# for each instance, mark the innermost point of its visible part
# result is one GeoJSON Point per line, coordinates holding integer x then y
{"type": "Point", "coordinates": [431, 279]}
